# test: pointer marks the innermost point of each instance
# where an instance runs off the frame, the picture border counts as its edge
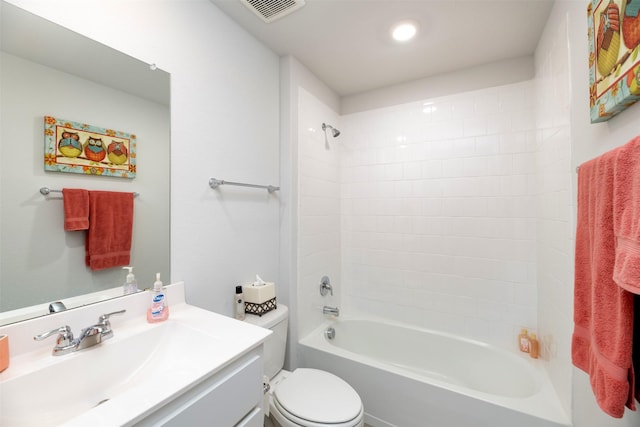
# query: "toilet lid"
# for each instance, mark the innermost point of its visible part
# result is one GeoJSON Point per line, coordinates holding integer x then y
{"type": "Point", "coordinates": [318, 396]}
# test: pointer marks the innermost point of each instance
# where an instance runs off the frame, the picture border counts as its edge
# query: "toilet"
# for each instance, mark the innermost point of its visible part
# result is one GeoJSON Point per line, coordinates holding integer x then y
{"type": "Point", "coordinates": [305, 397]}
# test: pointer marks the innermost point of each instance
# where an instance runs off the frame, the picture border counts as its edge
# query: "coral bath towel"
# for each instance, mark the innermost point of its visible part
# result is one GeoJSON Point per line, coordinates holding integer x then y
{"type": "Point", "coordinates": [76, 209]}
{"type": "Point", "coordinates": [603, 311]}
{"type": "Point", "coordinates": [626, 227]}
{"type": "Point", "coordinates": [108, 241]}
{"type": "Point", "coordinates": [626, 216]}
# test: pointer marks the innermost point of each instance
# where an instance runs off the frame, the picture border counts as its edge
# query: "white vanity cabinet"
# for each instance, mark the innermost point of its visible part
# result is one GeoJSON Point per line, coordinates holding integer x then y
{"type": "Point", "coordinates": [197, 369]}
{"type": "Point", "coordinates": [229, 397]}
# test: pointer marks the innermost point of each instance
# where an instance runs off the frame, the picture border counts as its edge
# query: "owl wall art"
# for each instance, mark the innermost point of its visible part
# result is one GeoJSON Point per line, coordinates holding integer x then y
{"type": "Point", "coordinates": [82, 148]}
{"type": "Point", "coordinates": [614, 59]}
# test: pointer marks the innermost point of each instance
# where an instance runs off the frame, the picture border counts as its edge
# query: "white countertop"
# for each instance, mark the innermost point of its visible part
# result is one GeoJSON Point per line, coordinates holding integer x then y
{"type": "Point", "coordinates": [223, 341]}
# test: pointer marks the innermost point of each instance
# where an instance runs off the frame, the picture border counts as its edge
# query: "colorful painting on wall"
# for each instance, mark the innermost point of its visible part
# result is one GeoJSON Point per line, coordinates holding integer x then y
{"type": "Point", "coordinates": [82, 148]}
{"type": "Point", "coordinates": [614, 62]}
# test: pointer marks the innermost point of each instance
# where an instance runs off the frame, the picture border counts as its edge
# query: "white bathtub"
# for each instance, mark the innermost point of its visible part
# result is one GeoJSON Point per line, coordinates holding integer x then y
{"type": "Point", "coordinates": [415, 377]}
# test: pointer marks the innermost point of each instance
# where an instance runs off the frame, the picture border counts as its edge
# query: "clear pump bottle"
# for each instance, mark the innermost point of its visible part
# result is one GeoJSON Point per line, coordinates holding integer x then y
{"type": "Point", "coordinates": [131, 284]}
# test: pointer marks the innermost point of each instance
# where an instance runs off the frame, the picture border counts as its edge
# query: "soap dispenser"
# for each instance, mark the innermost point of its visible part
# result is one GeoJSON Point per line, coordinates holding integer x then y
{"type": "Point", "coordinates": [130, 285]}
{"type": "Point", "coordinates": [535, 346]}
{"type": "Point", "coordinates": [524, 342]}
{"type": "Point", "coordinates": [159, 309]}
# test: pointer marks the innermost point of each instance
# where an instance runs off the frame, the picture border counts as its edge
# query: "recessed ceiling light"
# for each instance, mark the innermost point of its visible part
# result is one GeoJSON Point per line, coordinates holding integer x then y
{"type": "Point", "coordinates": [404, 31]}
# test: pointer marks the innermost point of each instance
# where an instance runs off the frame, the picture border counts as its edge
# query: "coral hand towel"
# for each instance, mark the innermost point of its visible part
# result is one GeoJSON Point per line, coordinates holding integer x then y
{"type": "Point", "coordinates": [76, 209]}
{"type": "Point", "coordinates": [603, 312]}
{"type": "Point", "coordinates": [108, 242]}
{"type": "Point", "coordinates": [626, 216]}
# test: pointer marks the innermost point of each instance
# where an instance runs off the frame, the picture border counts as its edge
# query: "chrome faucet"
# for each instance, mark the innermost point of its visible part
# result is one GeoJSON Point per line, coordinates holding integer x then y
{"type": "Point", "coordinates": [56, 307]}
{"type": "Point", "coordinates": [334, 311]}
{"type": "Point", "coordinates": [89, 336]}
{"type": "Point", "coordinates": [325, 286]}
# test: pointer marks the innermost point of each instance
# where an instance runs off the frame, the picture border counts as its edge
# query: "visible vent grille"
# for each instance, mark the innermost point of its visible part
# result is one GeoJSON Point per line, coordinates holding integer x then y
{"type": "Point", "coordinates": [270, 10]}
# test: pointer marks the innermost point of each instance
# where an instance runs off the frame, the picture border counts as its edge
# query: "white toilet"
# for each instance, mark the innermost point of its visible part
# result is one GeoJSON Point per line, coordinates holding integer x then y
{"type": "Point", "coordinates": [304, 397]}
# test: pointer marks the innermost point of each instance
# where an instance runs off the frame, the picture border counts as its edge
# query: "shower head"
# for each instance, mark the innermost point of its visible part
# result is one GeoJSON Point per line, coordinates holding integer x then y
{"type": "Point", "coordinates": [334, 131]}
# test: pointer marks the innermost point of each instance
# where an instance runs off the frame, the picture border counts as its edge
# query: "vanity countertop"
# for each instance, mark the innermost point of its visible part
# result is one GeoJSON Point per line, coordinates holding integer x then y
{"type": "Point", "coordinates": [146, 365]}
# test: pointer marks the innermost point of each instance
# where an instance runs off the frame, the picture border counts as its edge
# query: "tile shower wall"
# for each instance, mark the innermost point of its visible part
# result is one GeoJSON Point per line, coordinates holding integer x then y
{"type": "Point", "coordinates": [319, 211]}
{"type": "Point", "coordinates": [438, 212]}
{"type": "Point", "coordinates": [554, 227]}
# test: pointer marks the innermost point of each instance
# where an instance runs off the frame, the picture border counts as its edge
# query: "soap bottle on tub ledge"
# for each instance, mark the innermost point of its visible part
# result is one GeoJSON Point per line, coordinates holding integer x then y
{"type": "Point", "coordinates": [159, 309]}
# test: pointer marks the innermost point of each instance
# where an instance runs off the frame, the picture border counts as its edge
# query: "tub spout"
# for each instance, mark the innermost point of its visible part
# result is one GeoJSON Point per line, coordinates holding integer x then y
{"type": "Point", "coordinates": [334, 311]}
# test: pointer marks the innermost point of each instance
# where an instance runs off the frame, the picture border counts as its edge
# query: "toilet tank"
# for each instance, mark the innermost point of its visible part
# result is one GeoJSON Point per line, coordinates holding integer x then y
{"type": "Point", "coordinates": [276, 343]}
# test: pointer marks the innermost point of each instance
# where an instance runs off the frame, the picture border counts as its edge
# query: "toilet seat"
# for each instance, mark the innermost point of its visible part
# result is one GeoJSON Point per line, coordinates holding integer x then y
{"type": "Point", "coordinates": [315, 398]}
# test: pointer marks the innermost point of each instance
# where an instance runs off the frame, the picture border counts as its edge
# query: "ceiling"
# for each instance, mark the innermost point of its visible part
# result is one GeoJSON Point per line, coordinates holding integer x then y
{"type": "Point", "coordinates": [346, 43]}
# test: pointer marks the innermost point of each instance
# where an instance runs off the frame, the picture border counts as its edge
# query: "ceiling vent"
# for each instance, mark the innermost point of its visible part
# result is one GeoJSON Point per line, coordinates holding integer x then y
{"type": "Point", "coordinates": [270, 10]}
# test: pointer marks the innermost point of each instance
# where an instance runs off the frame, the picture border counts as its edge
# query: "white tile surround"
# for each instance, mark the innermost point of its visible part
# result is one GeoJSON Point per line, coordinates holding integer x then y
{"type": "Point", "coordinates": [438, 213]}
{"type": "Point", "coordinates": [437, 221]}
{"type": "Point", "coordinates": [555, 227]}
{"type": "Point", "coordinates": [319, 211]}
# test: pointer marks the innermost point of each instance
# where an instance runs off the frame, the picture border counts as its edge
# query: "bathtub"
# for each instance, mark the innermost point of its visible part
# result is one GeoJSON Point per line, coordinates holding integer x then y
{"type": "Point", "coordinates": [416, 377]}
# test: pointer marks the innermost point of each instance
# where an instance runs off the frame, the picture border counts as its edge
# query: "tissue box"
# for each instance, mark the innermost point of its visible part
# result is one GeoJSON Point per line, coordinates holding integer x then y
{"type": "Point", "coordinates": [259, 299]}
{"type": "Point", "coordinates": [260, 309]}
{"type": "Point", "coordinates": [259, 294]}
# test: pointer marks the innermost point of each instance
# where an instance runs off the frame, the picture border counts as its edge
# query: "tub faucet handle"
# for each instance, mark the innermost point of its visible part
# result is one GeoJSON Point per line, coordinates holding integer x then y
{"type": "Point", "coordinates": [325, 286]}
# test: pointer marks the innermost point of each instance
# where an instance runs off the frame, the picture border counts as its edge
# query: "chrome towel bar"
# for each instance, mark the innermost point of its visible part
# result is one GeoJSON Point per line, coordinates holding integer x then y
{"type": "Point", "coordinates": [215, 183]}
{"type": "Point", "coordinates": [46, 190]}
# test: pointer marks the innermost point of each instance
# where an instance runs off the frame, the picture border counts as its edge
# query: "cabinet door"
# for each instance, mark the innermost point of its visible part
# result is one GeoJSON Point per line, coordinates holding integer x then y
{"type": "Point", "coordinates": [254, 419]}
{"type": "Point", "coordinates": [221, 400]}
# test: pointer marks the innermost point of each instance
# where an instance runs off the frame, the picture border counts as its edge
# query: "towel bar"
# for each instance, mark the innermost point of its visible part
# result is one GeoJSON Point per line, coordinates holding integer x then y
{"type": "Point", "coordinates": [215, 183]}
{"type": "Point", "coordinates": [46, 190]}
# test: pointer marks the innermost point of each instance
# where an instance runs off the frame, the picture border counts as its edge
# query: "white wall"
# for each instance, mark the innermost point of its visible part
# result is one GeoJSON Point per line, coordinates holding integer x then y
{"type": "Point", "coordinates": [224, 124]}
{"type": "Point", "coordinates": [587, 141]}
{"type": "Point", "coordinates": [295, 79]}
{"type": "Point", "coordinates": [439, 214]}
{"type": "Point", "coordinates": [460, 81]}
{"type": "Point", "coordinates": [566, 133]}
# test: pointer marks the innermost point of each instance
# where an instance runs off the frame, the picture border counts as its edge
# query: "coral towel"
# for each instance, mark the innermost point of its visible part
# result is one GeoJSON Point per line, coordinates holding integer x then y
{"type": "Point", "coordinates": [76, 209]}
{"type": "Point", "coordinates": [626, 216]}
{"type": "Point", "coordinates": [108, 241]}
{"type": "Point", "coordinates": [626, 227]}
{"type": "Point", "coordinates": [602, 340]}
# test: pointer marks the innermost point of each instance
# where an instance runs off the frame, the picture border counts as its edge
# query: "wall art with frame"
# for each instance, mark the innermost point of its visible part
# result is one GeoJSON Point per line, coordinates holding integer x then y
{"type": "Point", "coordinates": [82, 148]}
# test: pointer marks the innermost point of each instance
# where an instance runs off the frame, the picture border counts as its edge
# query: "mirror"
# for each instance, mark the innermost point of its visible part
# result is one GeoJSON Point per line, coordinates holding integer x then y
{"type": "Point", "coordinates": [48, 70]}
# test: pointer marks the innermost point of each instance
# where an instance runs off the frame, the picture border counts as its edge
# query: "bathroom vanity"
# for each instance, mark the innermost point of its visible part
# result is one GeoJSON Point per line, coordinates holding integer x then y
{"type": "Point", "coordinates": [197, 367]}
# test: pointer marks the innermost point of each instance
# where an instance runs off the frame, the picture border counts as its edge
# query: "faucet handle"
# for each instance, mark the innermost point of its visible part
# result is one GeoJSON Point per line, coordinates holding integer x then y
{"type": "Point", "coordinates": [65, 336]}
{"type": "Point", "coordinates": [104, 319]}
{"type": "Point", "coordinates": [325, 286]}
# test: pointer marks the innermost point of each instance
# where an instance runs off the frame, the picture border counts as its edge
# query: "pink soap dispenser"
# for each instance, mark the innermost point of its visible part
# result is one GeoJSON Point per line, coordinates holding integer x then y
{"type": "Point", "coordinates": [159, 309]}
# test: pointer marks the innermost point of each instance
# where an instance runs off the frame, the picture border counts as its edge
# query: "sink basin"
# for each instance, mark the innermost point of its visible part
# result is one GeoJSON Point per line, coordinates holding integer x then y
{"type": "Point", "coordinates": [129, 368]}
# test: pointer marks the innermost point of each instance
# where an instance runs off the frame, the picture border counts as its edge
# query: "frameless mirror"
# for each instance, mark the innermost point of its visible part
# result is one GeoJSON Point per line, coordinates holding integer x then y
{"type": "Point", "coordinates": [48, 70]}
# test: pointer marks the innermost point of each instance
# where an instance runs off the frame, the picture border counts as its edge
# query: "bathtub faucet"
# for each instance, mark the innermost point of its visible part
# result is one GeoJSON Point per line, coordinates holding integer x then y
{"type": "Point", "coordinates": [334, 311]}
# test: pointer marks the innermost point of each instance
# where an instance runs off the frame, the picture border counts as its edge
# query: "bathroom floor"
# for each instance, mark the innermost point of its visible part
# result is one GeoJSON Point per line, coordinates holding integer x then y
{"type": "Point", "coordinates": [269, 423]}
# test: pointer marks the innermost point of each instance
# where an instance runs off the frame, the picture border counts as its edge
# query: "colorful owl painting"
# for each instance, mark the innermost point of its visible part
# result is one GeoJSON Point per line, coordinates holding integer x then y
{"type": "Point", "coordinates": [614, 56]}
{"type": "Point", "coordinates": [631, 24]}
{"type": "Point", "coordinates": [82, 148]}
{"type": "Point", "coordinates": [608, 39]}
{"type": "Point", "coordinates": [94, 149]}
{"type": "Point", "coordinates": [117, 153]}
{"type": "Point", "coordinates": [69, 145]}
